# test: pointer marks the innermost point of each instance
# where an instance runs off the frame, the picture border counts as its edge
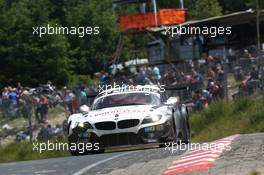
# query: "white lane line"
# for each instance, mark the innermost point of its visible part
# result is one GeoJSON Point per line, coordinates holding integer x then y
{"type": "Point", "coordinates": [85, 169]}
{"type": "Point", "coordinates": [44, 171]}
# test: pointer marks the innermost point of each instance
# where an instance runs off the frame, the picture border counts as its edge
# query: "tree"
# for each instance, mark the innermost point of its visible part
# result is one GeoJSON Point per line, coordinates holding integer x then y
{"type": "Point", "coordinates": [205, 9]}
{"type": "Point", "coordinates": [90, 52]}
{"type": "Point", "coordinates": [26, 57]}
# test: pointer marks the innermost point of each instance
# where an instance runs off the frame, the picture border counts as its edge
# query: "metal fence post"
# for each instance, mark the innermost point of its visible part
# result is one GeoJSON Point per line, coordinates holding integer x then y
{"type": "Point", "coordinates": [225, 74]}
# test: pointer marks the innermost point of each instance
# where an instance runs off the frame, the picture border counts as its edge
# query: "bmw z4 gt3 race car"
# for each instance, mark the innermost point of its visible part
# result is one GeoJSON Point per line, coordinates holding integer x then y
{"type": "Point", "coordinates": [129, 117]}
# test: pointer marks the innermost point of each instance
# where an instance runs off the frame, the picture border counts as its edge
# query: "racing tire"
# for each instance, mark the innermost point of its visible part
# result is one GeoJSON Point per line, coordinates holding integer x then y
{"type": "Point", "coordinates": [74, 139]}
{"type": "Point", "coordinates": [188, 131]}
{"type": "Point", "coordinates": [173, 134]}
{"type": "Point", "coordinates": [186, 137]}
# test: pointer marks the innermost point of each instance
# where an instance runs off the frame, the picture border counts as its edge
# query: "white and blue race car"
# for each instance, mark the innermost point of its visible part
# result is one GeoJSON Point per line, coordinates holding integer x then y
{"type": "Point", "coordinates": [129, 116]}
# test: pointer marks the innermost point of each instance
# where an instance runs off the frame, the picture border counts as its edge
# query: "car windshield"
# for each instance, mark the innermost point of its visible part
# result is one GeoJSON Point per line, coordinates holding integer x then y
{"type": "Point", "coordinates": [126, 100]}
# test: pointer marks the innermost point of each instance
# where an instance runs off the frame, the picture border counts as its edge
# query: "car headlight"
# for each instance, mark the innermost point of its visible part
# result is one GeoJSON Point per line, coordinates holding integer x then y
{"type": "Point", "coordinates": [152, 119]}
{"type": "Point", "coordinates": [85, 125]}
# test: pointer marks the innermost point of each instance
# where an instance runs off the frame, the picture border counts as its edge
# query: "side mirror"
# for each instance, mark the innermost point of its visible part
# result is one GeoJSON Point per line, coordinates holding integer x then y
{"type": "Point", "coordinates": [84, 109]}
{"type": "Point", "coordinates": [172, 101]}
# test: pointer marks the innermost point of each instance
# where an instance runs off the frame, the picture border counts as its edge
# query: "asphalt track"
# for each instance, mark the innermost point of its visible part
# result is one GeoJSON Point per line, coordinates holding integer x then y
{"type": "Point", "coordinates": [91, 164]}
{"type": "Point", "coordinates": [245, 157]}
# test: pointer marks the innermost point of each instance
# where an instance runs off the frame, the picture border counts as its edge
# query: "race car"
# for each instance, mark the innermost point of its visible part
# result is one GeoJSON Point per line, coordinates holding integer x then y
{"type": "Point", "coordinates": [129, 116]}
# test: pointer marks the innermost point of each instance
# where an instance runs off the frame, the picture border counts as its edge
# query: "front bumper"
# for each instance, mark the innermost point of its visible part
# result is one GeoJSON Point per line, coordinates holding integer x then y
{"type": "Point", "coordinates": [152, 134]}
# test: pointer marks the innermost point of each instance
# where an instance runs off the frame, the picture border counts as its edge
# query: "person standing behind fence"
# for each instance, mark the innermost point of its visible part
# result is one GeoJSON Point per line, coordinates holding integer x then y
{"type": "Point", "coordinates": [83, 97]}
{"type": "Point", "coordinates": [19, 88]}
{"type": "Point", "coordinates": [26, 103]}
{"type": "Point", "coordinates": [75, 103]}
{"type": "Point", "coordinates": [68, 100]}
{"type": "Point", "coordinates": [156, 75]}
{"type": "Point", "coordinates": [13, 97]}
{"type": "Point", "coordinates": [36, 100]}
{"type": "Point", "coordinates": [5, 101]}
{"type": "Point", "coordinates": [44, 108]}
{"type": "Point", "coordinates": [27, 107]}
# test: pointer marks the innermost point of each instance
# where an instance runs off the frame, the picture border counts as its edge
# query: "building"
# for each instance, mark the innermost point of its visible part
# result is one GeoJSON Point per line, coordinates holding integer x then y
{"type": "Point", "coordinates": [235, 31]}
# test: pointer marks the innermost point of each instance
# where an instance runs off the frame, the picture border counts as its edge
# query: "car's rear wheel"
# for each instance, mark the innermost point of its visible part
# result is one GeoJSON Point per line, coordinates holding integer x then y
{"type": "Point", "coordinates": [187, 130]}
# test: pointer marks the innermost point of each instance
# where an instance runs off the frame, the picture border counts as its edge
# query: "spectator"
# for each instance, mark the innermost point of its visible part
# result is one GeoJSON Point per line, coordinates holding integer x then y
{"type": "Point", "coordinates": [246, 54]}
{"type": "Point", "coordinates": [254, 74]}
{"type": "Point", "coordinates": [43, 133]}
{"type": "Point", "coordinates": [202, 60]}
{"type": "Point", "coordinates": [141, 77]}
{"type": "Point", "coordinates": [23, 135]}
{"type": "Point", "coordinates": [44, 108]}
{"type": "Point", "coordinates": [197, 101]}
{"type": "Point", "coordinates": [211, 74]}
{"type": "Point", "coordinates": [26, 104]}
{"type": "Point", "coordinates": [13, 97]}
{"type": "Point", "coordinates": [83, 97]}
{"type": "Point", "coordinates": [68, 100]}
{"type": "Point", "coordinates": [196, 77]}
{"type": "Point", "coordinates": [5, 102]}
{"type": "Point", "coordinates": [220, 75]}
{"type": "Point", "coordinates": [19, 88]}
{"type": "Point", "coordinates": [156, 75]}
{"type": "Point", "coordinates": [36, 101]}
{"type": "Point", "coordinates": [57, 131]}
{"type": "Point", "coordinates": [75, 103]}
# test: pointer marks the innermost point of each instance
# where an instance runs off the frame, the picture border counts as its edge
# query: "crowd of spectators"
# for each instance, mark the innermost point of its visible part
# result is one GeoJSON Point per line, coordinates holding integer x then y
{"type": "Point", "coordinates": [29, 103]}
{"type": "Point", "coordinates": [208, 71]}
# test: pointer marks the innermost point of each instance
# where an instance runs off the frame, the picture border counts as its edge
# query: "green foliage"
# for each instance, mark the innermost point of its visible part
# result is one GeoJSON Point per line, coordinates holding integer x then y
{"type": "Point", "coordinates": [33, 60]}
{"type": "Point", "coordinates": [205, 8]}
{"type": "Point", "coordinates": [91, 51]}
{"type": "Point", "coordinates": [240, 5]}
{"type": "Point", "coordinates": [227, 118]}
{"type": "Point", "coordinates": [25, 57]}
{"type": "Point", "coordinates": [80, 81]}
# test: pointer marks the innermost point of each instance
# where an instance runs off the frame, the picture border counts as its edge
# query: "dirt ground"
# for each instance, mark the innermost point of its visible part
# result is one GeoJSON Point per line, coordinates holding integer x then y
{"type": "Point", "coordinates": [56, 116]}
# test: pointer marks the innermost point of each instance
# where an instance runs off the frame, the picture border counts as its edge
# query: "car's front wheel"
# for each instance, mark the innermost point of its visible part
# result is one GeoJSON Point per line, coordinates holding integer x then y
{"type": "Point", "coordinates": [73, 142]}
{"type": "Point", "coordinates": [81, 146]}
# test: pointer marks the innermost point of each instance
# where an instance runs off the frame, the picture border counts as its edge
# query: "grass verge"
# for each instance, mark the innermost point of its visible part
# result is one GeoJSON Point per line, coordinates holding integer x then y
{"type": "Point", "coordinates": [223, 119]}
{"type": "Point", "coordinates": [25, 151]}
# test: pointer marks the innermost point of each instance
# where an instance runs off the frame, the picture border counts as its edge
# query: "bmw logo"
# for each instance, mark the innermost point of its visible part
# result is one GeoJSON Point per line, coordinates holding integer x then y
{"type": "Point", "coordinates": [116, 117]}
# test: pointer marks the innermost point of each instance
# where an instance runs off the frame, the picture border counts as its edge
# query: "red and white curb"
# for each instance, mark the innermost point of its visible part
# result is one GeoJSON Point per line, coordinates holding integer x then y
{"type": "Point", "coordinates": [199, 159]}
